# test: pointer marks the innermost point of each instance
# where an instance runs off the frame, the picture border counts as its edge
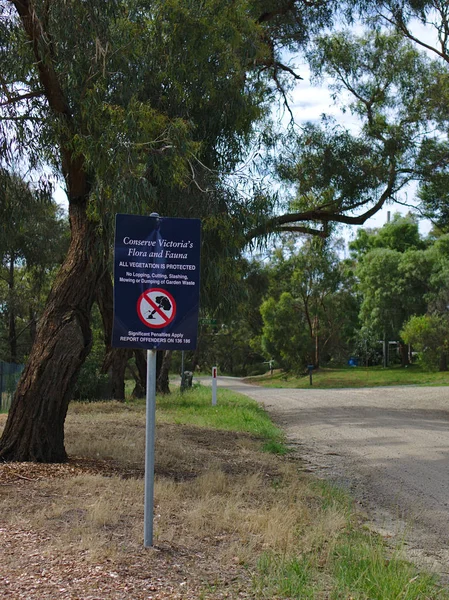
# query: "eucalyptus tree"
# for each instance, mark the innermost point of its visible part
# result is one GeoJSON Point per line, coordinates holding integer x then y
{"type": "Point", "coordinates": [403, 15]}
{"type": "Point", "coordinates": [425, 24]}
{"type": "Point", "coordinates": [393, 270]}
{"type": "Point", "coordinates": [310, 314]}
{"type": "Point", "coordinates": [148, 105]}
{"type": "Point", "coordinates": [400, 234]}
{"type": "Point", "coordinates": [429, 333]}
{"type": "Point", "coordinates": [123, 100]}
{"type": "Point", "coordinates": [344, 175]}
{"type": "Point", "coordinates": [393, 287]}
{"type": "Point", "coordinates": [32, 243]}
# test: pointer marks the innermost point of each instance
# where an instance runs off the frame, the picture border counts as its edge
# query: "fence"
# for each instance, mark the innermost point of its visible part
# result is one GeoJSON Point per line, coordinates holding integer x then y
{"type": "Point", "coordinates": [9, 376]}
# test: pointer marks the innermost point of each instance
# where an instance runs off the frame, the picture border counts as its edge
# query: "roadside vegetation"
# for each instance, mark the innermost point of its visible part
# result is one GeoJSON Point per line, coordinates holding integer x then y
{"type": "Point", "coordinates": [353, 377]}
{"type": "Point", "coordinates": [231, 519]}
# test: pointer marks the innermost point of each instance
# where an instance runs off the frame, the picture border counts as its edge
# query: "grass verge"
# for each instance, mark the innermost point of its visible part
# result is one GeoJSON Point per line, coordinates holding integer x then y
{"type": "Point", "coordinates": [234, 412]}
{"type": "Point", "coordinates": [230, 521]}
{"type": "Point", "coordinates": [353, 377]}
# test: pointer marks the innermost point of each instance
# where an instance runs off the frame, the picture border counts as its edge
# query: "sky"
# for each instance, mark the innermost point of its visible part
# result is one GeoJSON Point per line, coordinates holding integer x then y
{"type": "Point", "coordinates": [308, 102]}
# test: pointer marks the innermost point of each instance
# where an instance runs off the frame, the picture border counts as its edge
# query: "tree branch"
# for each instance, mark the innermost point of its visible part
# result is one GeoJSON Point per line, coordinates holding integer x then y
{"type": "Point", "coordinates": [402, 27]}
{"type": "Point", "coordinates": [287, 69]}
{"type": "Point", "coordinates": [47, 74]}
{"type": "Point", "coordinates": [73, 166]}
{"type": "Point", "coordinates": [306, 230]}
{"type": "Point", "coordinates": [289, 221]}
{"type": "Point", "coordinates": [286, 8]}
{"type": "Point", "coordinates": [281, 10]}
{"type": "Point", "coordinates": [14, 99]}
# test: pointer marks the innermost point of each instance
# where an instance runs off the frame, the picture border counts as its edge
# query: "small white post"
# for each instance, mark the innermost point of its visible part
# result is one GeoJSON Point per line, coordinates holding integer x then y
{"type": "Point", "coordinates": [149, 449]}
{"type": "Point", "coordinates": [214, 386]}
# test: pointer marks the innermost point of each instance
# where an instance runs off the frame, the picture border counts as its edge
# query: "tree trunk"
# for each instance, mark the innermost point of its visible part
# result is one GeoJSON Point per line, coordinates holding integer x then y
{"type": "Point", "coordinates": [32, 318]}
{"type": "Point", "coordinates": [115, 360]}
{"type": "Point", "coordinates": [403, 351]}
{"type": "Point", "coordinates": [141, 381]}
{"type": "Point", "coordinates": [12, 336]}
{"type": "Point", "coordinates": [34, 430]}
{"type": "Point", "coordinates": [114, 364]}
{"type": "Point", "coordinates": [443, 362]}
{"type": "Point", "coordinates": [162, 383]}
{"type": "Point", "coordinates": [163, 362]}
{"type": "Point", "coordinates": [197, 353]}
{"type": "Point", "coordinates": [317, 343]}
{"type": "Point", "coordinates": [385, 348]}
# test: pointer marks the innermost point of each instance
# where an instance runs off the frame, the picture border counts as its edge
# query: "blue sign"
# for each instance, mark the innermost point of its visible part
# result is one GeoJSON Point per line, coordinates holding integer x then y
{"type": "Point", "coordinates": [156, 282]}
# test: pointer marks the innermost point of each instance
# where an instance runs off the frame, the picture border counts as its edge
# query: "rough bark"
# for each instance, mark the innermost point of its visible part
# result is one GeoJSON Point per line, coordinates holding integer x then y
{"type": "Point", "coordinates": [163, 362]}
{"type": "Point", "coordinates": [33, 330]}
{"type": "Point", "coordinates": [141, 380]}
{"type": "Point", "coordinates": [162, 382]}
{"type": "Point", "coordinates": [12, 335]}
{"type": "Point", "coordinates": [114, 365]}
{"type": "Point", "coordinates": [116, 359]}
{"type": "Point", "coordinates": [34, 430]}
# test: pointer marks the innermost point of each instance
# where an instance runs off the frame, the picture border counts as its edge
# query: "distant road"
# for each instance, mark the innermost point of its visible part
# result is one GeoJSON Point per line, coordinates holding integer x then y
{"type": "Point", "coordinates": [389, 446]}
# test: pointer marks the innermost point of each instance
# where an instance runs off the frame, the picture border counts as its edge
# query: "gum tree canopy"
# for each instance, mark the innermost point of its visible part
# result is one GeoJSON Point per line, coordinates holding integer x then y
{"type": "Point", "coordinates": [122, 99]}
{"type": "Point", "coordinates": [137, 106]}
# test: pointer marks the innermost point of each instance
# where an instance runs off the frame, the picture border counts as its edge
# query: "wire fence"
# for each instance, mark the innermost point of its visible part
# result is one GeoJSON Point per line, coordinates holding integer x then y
{"type": "Point", "coordinates": [9, 376]}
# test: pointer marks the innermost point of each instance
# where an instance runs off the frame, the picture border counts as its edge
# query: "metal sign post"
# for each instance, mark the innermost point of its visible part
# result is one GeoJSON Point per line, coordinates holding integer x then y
{"type": "Point", "coordinates": [214, 386]}
{"type": "Point", "coordinates": [149, 448]}
{"type": "Point", "coordinates": [156, 305]}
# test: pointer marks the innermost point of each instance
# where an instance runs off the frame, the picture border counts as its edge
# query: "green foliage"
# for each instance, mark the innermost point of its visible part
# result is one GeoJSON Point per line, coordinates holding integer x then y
{"type": "Point", "coordinates": [434, 189]}
{"type": "Point", "coordinates": [367, 347]}
{"type": "Point", "coordinates": [285, 335]}
{"type": "Point", "coordinates": [350, 563]}
{"type": "Point", "coordinates": [401, 277]}
{"type": "Point", "coordinates": [429, 335]}
{"type": "Point", "coordinates": [318, 310]}
{"type": "Point", "coordinates": [400, 234]}
{"type": "Point", "coordinates": [438, 294]}
{"type": "Point", "coordinates": [383, 93]}
{"type": "Point", "coordinates": [92, 383]}
{"type": "Point", "coordinates": [362, 570]}
{"type": "Point", "coordinates": [289, 577]}
{"type": "Point", "coordinates": [33, 240]}
{"type": "Point", "coordinates": [331, 167]}
{"type": "Point", "coordinates": [393, 285]}
{"type": "Point", "coordinates": [233, 412]}
{"type": "Point", "coordinates": [232, 341]}
{"type": "Point", "coordinates": [357, 377]}
{"type": "Point", "coordinates": [33, 230]}
{"type": "Point", "coordinates": [226, 345]}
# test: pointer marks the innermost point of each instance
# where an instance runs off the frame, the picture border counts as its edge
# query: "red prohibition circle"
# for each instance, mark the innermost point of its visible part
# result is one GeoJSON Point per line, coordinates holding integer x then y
{"type": "Point", "coordinates": [156, 308]}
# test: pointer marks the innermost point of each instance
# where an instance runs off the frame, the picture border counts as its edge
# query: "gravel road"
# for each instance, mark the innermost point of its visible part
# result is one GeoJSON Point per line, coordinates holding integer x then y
{"type": "Point", "coordinates": [389, 446]}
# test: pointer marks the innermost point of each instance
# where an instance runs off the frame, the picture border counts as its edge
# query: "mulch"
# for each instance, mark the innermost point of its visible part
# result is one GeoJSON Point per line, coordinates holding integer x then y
{"type": "Point", "coordinates": [31, 570]}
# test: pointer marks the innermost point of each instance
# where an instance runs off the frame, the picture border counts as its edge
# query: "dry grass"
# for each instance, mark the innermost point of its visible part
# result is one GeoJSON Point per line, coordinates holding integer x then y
{"type": "Point", "coordinates": [230, 521]}
{"type": "Point", "coordinates": [219, 503]}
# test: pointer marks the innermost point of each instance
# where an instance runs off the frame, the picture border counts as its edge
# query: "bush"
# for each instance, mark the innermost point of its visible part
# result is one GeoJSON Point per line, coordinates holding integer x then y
{"type": "Point", "coordinates": [260, 369]}
{"type": "Point", "coordinates": [429, 334]}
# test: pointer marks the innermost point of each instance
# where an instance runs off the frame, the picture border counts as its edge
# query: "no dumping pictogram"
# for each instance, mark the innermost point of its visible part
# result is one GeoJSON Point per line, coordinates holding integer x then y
{"type": "Point", "coordinates": [156, 308]}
